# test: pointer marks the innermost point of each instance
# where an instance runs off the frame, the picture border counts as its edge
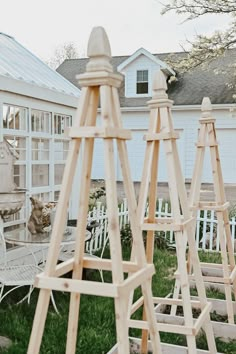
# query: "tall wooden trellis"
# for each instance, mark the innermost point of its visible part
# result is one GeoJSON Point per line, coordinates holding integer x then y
{"type": "Point", "coordinates": [181, 223]}
{"type": "Point", "coordinates": [98, 82]}
{"type": "Point", "coordinates": [227, 269]}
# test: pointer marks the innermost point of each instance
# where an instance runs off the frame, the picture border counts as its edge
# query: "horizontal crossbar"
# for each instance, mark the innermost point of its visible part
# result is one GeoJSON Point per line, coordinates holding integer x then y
{"type": "Point", "coordinates": [95, 288]}
{"type": "Point", "coordinates": [96, 132]}
{"type": "Point", "coordinates": [210, 206]}
{"type": "Point", "coordinates": [161, 136]}
{"type": "Point", "coordinates": [165, 224]}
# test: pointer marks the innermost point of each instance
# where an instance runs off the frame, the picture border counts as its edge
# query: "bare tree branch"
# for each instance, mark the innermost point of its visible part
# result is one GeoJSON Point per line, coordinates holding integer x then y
{"type": "Point", "coordinates": [197, 8]}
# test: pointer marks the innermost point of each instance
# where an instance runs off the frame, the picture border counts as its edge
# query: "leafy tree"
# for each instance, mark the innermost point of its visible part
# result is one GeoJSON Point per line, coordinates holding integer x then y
{"type": "Point", "coordinates": [64, 51]}
{"type": "Point", "coordinates": [205, 48]}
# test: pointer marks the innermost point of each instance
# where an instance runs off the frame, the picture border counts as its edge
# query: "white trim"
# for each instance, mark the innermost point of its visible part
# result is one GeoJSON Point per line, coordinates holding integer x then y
{"type": "Point", "coordinates": [180, 107]}
{"type": "Point", "coordinates": [142, 51]}
{"type": "Point", "coordinates": [41, 93]}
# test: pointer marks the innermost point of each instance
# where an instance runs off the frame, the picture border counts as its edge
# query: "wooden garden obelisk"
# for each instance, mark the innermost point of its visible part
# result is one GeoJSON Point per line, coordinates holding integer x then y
{"type": "Point", "coordinates": [227, 269]}
{"type": "Point", "coordinates": [98, 81]}
{"type": "Point", "coordinates": [181, 223]}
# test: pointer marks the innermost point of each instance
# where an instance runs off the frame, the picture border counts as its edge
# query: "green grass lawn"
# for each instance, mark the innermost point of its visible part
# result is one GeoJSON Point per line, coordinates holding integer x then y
{"type": "Point", "coordinates": [96, 323]}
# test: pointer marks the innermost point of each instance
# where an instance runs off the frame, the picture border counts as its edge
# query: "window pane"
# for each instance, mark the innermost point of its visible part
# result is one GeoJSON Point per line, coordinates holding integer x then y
{"type": "Point", "coordinates": [18, 146]}
{"type": "Point", "coordinates": [61, 148]}
{"type": "Point", "coordinates": [40, 121]}
{"type": "Point", "coordinates": [40, 175]}
{"type": "Point", "coordinates": [14, 117]}
{"type": "Point", "coordinates": [40, 149]}
{"type": "Point", "coordinates": [139, 75]}
{"type": "Point", "coordinates": [142, 82]}
{"type": "Point", "coordinates": [145, 75]}
{"type": "Point", "coordinates": [45, 197]}
{"type": "Point", "coordinates": [58, 173]}
{"type": "Point", "coordinates": [142, 87]}
{"type": "Point", "coordinates": [20, 176]}
{"type": "Point", "coordinates": [61, 122]}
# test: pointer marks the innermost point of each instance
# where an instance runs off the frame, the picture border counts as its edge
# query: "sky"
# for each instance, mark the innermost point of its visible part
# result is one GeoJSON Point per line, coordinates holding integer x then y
{"type": "Point", "coordinates": [42, 26]}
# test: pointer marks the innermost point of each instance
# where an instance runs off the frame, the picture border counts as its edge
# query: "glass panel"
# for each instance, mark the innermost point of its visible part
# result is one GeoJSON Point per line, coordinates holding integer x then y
{"type": "Point", "coordinates": [18, 146]}
{"type": "Point", "coordinates": [20, 176]}
{"type": "Point", "coordinates": [40, 175]}
{"type": "Point", "coordinates": [61, 148]}
{"type": "Point", "coordinates": [145, 75]}
{"type": "Point", "coordinates": [142, 87]}
{"type": "Point", "coordinates": [40, 149]}
{"type": "Point", "coordinates": [139, 75]}
{"type": "Point", "coordinates": [56, 195]}
{"type": "Point", "coordinates": [40, 121]}
{"type": "Point", "coordinates": [14, 117]}
{"type": "Point", "coordinates": [61, 122]}
{"type": "Point", "coordinates": [44, 197]}
{"type": "Point", "coordinates": [58, 173]}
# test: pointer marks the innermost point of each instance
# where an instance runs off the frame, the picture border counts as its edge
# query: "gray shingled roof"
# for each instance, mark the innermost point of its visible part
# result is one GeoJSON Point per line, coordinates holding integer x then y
{"type": "Point", "coordinates": [190, 88]}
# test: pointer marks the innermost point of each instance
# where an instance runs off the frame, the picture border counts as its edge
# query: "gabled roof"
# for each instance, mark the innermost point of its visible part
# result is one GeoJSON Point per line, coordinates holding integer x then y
{"type": "Point", "coordinates": [144, 52]}
{"type": "Point", "coordinates": [19, 64]}
{"type": "Point", "coordinates": [190, 88]}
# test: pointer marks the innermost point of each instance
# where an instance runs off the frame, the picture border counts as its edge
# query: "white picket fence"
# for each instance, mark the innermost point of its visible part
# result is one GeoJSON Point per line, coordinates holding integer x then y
{"type": "Point", "coordinates": [206, 229]}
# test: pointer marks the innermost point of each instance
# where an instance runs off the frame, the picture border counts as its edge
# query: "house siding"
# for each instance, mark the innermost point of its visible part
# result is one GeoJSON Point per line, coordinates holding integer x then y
{"type": "Point", "coordinates": [187, 124]}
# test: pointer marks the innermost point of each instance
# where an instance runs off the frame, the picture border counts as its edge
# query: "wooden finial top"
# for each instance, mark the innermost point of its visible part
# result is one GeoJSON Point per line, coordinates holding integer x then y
{"type": "Point", "coordinates": [99, 51]}
{"type": "Point", "coordinates": [159, 85]}
{"type": "Point", "coordinates": [206, 107]}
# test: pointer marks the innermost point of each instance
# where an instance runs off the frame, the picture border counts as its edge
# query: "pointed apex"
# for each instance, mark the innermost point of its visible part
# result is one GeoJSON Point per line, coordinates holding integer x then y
{"type": "Point", "coordinates": [206, 104]}
{"type": "Point", "coordinates": [99, 51]}
{"type": "Point", "coordinates": [159, 85]}
{"type": "Point", "coordinates": [206, 107]}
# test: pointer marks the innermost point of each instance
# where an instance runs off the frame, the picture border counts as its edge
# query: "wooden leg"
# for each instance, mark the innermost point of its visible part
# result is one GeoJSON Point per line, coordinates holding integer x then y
{"type": "Point", "coordinates": [39, 322]}
{"type": "Point", "coordinates": [121, 313]}
{"type": "Point", "coordinates": [150, 314]}
{"type": "Point", "coordinates": [224, 257]}
{"type": "Point", "coordinates": [185, 289]}
{"type": "Point", "coordinates": [175, 296]}
{"type": "Point", "coordinates": [201, 292]}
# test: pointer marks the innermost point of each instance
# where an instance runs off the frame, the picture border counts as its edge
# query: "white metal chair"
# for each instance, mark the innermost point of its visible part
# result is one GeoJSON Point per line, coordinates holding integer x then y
{"type": "Point", "coordinates": [15, 276]}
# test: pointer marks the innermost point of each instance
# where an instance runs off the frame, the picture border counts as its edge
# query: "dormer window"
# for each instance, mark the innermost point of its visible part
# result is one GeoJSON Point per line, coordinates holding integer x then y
{"type": "Point", "coordinates": [142, 82]}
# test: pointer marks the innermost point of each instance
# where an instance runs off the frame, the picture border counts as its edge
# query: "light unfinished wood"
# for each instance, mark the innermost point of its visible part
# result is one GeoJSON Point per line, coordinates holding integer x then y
{"type": "Point", "coordinates": [207, 139]}
{"type": "Point", "coordinates": [225, 331]}
{"type": "Point", "coordinates": [181, 223]}
{"type": "Point", "coordinates": [98, 82]}
{"type": "Point", "coordinates": [104, 133]}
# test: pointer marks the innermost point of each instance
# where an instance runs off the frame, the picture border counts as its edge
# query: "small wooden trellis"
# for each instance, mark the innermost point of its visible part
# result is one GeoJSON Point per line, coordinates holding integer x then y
{"type": "Point", "coordinates": [98, 81]}
{"type": "Point", "coordinates": [161, 130]}
{"type": "Point", "coordinates": [227, 269]}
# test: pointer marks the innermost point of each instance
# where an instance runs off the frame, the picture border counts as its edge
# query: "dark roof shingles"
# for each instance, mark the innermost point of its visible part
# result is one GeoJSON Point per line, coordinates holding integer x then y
{"type": "Point", "coordinates": [190, 88]}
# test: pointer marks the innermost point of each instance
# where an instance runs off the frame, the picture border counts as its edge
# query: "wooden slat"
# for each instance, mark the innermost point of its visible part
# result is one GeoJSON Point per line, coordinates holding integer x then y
{"type": "Point", "coordinates": [233, 275]}
{"type": "Point", "coordinates": [96, 132]}
{"type": "Point", "coordinates": [78, 286]}
{"type": "Point", "coordinates": [163, 327]}
{"type": "Point", "coordinates": [210, 206]}
{"type": "Point", "coordinates": [202, 317]}
{"type": "Point", "coordinates": [161, 136]}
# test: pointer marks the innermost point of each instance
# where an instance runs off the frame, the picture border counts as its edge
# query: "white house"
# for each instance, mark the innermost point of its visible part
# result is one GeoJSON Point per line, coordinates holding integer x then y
{"type": "Point", "coordinates": [187, 93]}
{"type": "Point", "coordinates": [36, 105]}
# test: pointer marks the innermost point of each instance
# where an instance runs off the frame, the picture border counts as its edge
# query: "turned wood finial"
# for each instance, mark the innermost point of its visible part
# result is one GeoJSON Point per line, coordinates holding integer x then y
{"type": "Point", "coordinates": [206, 107]}
{"type": "Point", "coordinates": [159, 85]}
{"type": "Point", "coordinates": [99, 51]}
